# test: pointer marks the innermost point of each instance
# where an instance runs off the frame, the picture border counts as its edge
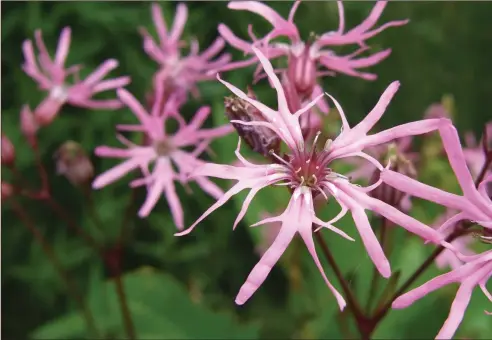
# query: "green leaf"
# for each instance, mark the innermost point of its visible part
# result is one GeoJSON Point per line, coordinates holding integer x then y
{"type": "Point", "coordinates": [160, 309]}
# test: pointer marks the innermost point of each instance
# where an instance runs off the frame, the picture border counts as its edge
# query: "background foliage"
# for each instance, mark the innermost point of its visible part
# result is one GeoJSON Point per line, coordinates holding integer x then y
{"type": "Point", "coordinates": [185, 287]}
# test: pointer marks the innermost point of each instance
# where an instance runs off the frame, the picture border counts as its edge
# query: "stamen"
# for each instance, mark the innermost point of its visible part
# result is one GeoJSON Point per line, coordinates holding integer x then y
{"type": "Point", "coordinates": [327, 144]}
{"type": "Point", "coordinates": [272, 152]}
{"type": "Point", "coordinates": [313, 148]}
{"type": "Point", "coordinates": [315, 179]}
{"type": "Point", "coordinates": [299, 170]}
{"type": "Point", "coordinates": [302, 180]}
{"type": "Point", "coordinates": [321, 191]}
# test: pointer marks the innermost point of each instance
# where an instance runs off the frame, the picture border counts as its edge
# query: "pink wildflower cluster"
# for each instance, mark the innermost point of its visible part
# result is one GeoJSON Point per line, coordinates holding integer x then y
{"type": "Point", "coordinates": [287, 137]}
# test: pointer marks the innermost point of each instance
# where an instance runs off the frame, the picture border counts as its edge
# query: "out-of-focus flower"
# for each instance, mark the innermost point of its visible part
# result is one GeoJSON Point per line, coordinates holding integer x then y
{"type": "Point", "coordinates": [474, 205]}
{"type": "Point", "coordinates": [28, 125]}
{"type": "Point", "coordinates": [305, 170]}
{"type": "Point", "coordinates": [8, 151]}
{"type": "Point", "coordinates": [163, 150]}
{"type": "Point", "coordinates": [448, 257]}
{"type": "Point", "coordinates": [73, 162]}
{"type": "Point", "coordinates": [475, 152]}
{"type": "Point", "coordinates": [399, 162]}
{"type": "Point", "coordinates": [436, 110]}
{"type": "Point", "coordinates": [52, 77]}
{"type": "Point", "coordinates": [7, 190]}
{"type": "Point", "coordinates": [305, 57]}
{"type": "Point", "coordinates": [180, 74]}
{"type": "Point", "coordinates": [475, 271]}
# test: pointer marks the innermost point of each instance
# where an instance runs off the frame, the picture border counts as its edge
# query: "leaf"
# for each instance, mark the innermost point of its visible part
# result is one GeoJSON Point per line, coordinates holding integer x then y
{"type": "Point", "coordinates": [160, 309]}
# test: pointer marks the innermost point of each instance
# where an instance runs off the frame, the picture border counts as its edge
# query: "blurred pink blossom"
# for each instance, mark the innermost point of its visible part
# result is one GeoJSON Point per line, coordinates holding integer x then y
{"type": "Point", "coordinates": [475, 271]}
{"type": "Point", "coordinates": [306, 171]}
{"type": "Point", "coordinates": [436, 110]}
{"type": "Point", "coordinates": [305, 57]}
{"type": "Point", "coordinates": [179, 73]}
{"type": "Point", "coordinates": [474, 151]}
{"type": "Point", "coordinates": [52, 76]}
{"type": "Point", "coordinates": [163, 150]}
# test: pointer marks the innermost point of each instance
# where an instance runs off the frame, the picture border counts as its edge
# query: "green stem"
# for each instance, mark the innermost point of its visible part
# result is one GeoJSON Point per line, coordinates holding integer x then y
{"type": "Point", "coordinates": [51, 255]}
{"type": "Point", "coordinates": [360, 318]}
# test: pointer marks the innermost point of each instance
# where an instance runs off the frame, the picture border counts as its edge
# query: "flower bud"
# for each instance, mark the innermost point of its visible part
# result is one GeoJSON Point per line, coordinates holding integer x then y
{"type": "Point", "coordinates": [29, 126]}
{"type": "Point", "coordinates": [301, 69]}
{"type": "Point", "coordinates": [74, 164]}
{"type": "Point", "coordinates": [8, 151]}
{"type": "Point", "coordinates": [7, 190]}
{"type": "Point", "coordinates": [258, 138]}
{"type": "Point", "coordinates": [398, 163]}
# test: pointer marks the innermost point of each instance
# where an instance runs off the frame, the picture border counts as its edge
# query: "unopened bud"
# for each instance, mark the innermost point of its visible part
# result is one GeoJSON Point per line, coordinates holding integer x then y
{"type": "Point", "coordinates": [29, 127]}
{"type": "Point", "coordinates": [301, 70]}
{"type": "Point", "coordinates": [73, 163]}
{"type": "Point", "coordinates": [259, 138]}
{"type": "Point", "coordinates": [7, 190]}
{"type": "Point", "coordinates": [8, 151]}
{"type": "Point", "coordinates": [398, 163]}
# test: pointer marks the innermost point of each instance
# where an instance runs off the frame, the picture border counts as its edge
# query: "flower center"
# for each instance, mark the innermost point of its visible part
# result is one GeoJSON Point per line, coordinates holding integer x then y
{"type": "Point", "coordinates": [162, 147]}
{"type": "Point", "coordinates": [309, 168]}
{"type": "Point", "coordinates": [60, 93]}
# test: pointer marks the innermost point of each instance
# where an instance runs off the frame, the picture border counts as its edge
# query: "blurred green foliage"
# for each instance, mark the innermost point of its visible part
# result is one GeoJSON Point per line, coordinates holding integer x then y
{"type": "Point", "coordinates": [189, 293]}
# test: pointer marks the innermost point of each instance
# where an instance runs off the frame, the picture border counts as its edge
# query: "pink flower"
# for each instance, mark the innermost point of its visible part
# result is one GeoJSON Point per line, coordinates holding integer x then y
{"type": "Point", "coordinates": [448, 257]}
{"type": "Point", "coordinates": [52, 76]}
{"type": "Point", "coordinates": [474, 152]}
{"type": "Point", "coordinates": [436, 110]}
{"type": "Point", "coordinates": [180, 73]}
{"type": "Point", "coordinates": [474, 205]}
{"type": "Point", "coordinates": [475, 272]}
{"type": "Point", "coordinates": [163, 150]}
{"type": "Point", "coordinates": [305, 57]}
{"type": "Point", "coordinates": [306, 171]}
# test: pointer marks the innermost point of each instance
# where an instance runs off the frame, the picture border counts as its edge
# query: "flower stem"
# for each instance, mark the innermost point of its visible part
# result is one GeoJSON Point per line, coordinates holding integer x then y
{"type": "Point", "coordinates": [60, 211]}
{"type": "Point", "coordinates": [383, 310]}
{"type": "Point", "coordinates": [360, 319]}
{"type": "Point", "coordinates": [50, 253]}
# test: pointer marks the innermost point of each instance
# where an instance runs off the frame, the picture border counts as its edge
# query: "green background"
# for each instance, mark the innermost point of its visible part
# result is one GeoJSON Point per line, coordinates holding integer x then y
{"type": "Point", "coordinates": [185, 287]}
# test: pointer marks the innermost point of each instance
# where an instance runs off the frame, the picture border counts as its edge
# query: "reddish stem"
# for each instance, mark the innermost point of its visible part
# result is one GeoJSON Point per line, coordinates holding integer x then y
{"type": "Point", "coordinates": [51, 255]}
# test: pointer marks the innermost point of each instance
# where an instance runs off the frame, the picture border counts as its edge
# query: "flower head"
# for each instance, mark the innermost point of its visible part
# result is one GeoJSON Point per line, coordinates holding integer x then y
{"type": "Point", "coordinates": [52, 77]}
{"type": "Point", "coordinates": [305, 57]}
{"type": "Point", "coordinates": [179, 73]}
{"type": "Point", "coordinates": [163, 151]}
{"type": "Point", "coordinates": [306, 171]}
{"type": "Point", "coordinates": [475, 271]}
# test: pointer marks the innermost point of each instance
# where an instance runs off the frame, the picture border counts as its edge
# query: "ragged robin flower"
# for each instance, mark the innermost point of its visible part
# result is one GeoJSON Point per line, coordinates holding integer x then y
{"type": "Point", "coordinates": [52, 77]}
{"type": "Point", "coordinates": [306, 57]}
{"type": "Point", "coordinates": [163, 151]}
{"type": "Point", "coordinates": [306, 171]}
{"type": "Point", "coordinates": [180, 73]}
